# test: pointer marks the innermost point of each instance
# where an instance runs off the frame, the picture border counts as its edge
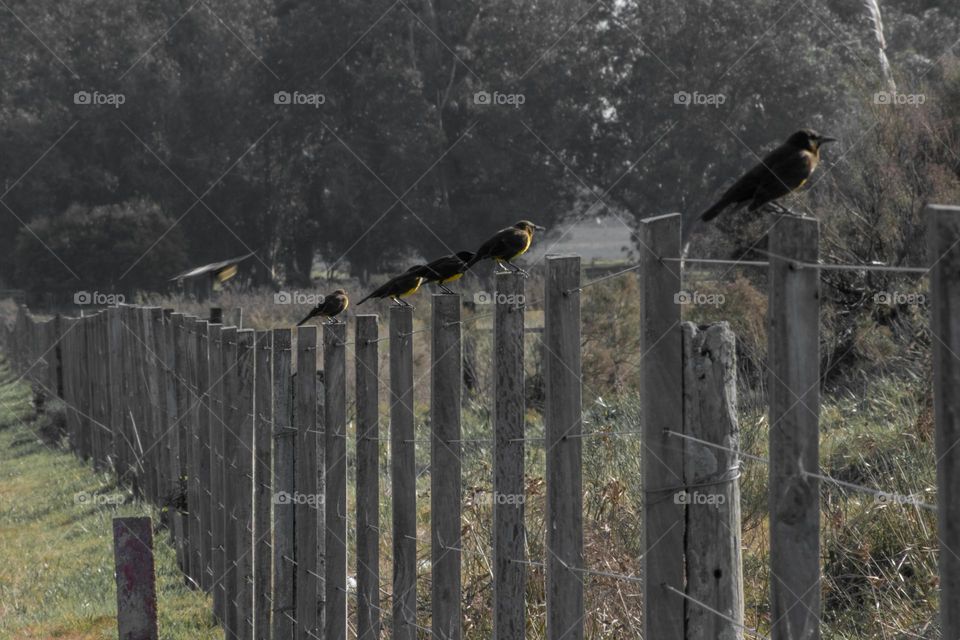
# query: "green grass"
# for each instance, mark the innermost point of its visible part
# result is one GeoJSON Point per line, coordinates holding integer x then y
{"type": "Point", "coordinates": [56, 551]}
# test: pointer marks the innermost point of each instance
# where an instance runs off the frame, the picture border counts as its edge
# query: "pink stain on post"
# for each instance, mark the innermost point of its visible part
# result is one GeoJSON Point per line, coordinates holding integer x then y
{"type": "Point", "coordinates": [136, 589]}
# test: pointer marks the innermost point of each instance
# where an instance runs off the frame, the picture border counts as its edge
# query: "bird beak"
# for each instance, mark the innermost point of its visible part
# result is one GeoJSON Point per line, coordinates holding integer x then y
{"type": "Point", "coordinates": [826, 139]}
{"type": "Point", "coordinates": [539, 228]}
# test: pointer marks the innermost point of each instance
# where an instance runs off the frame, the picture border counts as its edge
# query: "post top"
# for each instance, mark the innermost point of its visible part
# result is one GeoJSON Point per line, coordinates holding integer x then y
{"type": "Point", "coordinates": [659, 218]}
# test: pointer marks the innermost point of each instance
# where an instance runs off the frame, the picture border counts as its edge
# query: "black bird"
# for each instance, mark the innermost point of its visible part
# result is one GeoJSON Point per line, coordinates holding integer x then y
{"type": "Point", "coordinates": [782, 171]}
{"type": "Point", "coordinates": [507, 244]}
{"type": "Point", "coordinates": [332, 305]}
{"type": "Point", "coordinates": [446, 269]}
{"type": "Point", "coordinates": [399, 287]}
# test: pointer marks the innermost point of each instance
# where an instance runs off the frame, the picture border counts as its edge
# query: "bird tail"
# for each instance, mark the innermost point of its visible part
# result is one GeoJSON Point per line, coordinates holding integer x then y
{"type": "Point", "coordinates": [713, 211]}
{"type": "Point", "coordinates": [309, 315]}
{"type": "Point", "coordinates": [472, 261]}
{"type": "Point", "coordinates": [362, 301]}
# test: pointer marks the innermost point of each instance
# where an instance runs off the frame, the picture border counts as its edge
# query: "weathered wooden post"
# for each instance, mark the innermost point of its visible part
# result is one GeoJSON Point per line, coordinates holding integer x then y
{"type": "Point", "coordinates": [446, 381]}
{"type": "Point", "coordinates": [794, 392]}
{"type": "Point", "coordinates": [215, 420]}
{"type": "Point", "coordinates": [712, 499]}
{"type": "Point", "coordinates": [204, 480]}
{"type": "Point", "coordinates": [241, 491]}
{"type": "Point", "coordinates": [368, 478]}
{"type": "Point", "coordinates": [509, 532]}
{"type": "Point", "coordinates": [403, 475]}
{"type": "Point", "coordinates": [335, 463]}
{"type": "Point", "coordinates": [230, 419]}
{"type": "Point", "coordinates": [262, 438]}
{"type": "Point", "coordinates": [121, 445]}
{"type": "Point", "coordinates": [563, 426]}
{"type": "Point", "coordinates": [136, 589]}
{"type": "Point", "coordinates": [308, 512]}
{"type": "Point", "coordinates": [943, 231]}
{"type": "Point", "coordinates": [284, 486]}
{"type": "Point", "coordinates": [661, 387]}
{"type": "Point", "coordinates": [192, 444]}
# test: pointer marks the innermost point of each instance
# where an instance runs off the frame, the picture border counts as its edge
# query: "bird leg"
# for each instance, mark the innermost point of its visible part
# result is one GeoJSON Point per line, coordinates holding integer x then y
{"type": "Point", "coordinates": [443, 289]}
{"type": "Point", "coordinates": [517, 270]}
{"type": "Point", "coordinates": [402, 303]}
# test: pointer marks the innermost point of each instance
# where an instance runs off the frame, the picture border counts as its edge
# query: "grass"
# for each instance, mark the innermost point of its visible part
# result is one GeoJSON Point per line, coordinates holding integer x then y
{"type": "Point", "coordinates": [56, 555]}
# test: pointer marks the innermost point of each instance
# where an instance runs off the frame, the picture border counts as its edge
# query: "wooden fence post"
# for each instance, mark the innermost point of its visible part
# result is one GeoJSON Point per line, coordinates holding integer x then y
{"type": "Point", "coordinates": [230, 419]}
{"type": "Point", "coordinates": [262, 438]}
{"type": "Point", "coordinates": [217, 518]}
{"type": "Point", "coordinates": [192, 443]}
{"type": "Point", "coordinates": [136, 589]}
{"type": "Point", "coordinates": [284, 486]}
{"type": "Point", "coordinates": [509, 532]}
{"type": "Point", "coordinates": [204, 479]}
{"type": "Point", "coordinates": [403, 474]}
{"type": "Point", "coordinates": [240, 491]}
{"type": "Point", "coordinates": [446, 494]}
{"type": "Point", "coordinates": [308, 510]}
{"type": "Point", "coordinates": [661, 400]}
{"type": "Point", "coordinates": [564, 425]}
{"type": "Point", "coordinates": [368, 478]}
{"type": "Point", "coordinates": [69, 394]}
{"type": "Point", "coordinates": [794, 392]}
{"type": "Point", "coordinates": [712, 545]}
{"type": "Point", "coordinates": [121, 452]}
{"type": "Point", "coordinates": [943, 229]}
{"type": "Point", "coordinates": [171, 427]}
{"type": "Point", "coordinates": [181, 427]}
{"type": "Point", "coordinates": [335, 469]}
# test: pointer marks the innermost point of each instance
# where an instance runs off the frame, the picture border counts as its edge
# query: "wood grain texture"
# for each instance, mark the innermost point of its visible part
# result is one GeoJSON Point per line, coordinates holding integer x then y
{"type": "Point", "coordinates": [403, 475]}
{"type": "Point", "coordinates": [284, 485]}
{"type": "Point", "coordinates": [262, 482]}
{"type": "Point", "coordinates": [712, 546]}
{"type": "Point", "coordinates": [446, 483]}
{"type": "Point", "coordinates": [308, 494]}
{"type": "Point", "coordinates": [661, 397]}
{"type": "Point", "coordinates": [335, 466]}
{"type": "Point", "coordinates": [509, 533]}
{"type": "Point", "coordinates": [943, 228]}
{"type": "Point", "coordinates": [368, 478]}
{"type": "Point", "coordinates": [564, 425]}
{"type": "Point", "coordinates": [794, 396]}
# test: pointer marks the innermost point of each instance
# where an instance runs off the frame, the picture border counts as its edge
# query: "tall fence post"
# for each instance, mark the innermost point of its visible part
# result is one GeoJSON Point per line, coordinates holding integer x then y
{"type": "Point", "coordinates": [230, 418]}
{"type": "Point", "coordinates": [446, 493]}
{"type": "Point", "coordinates": [241, 490]}
{"type": "Point", "coordinates": [262, 438]}
{"type": "Point", "coordinates": [193, 446]}
{"type": "Point", "coordinates": [215, 339]}
{"type": "Point", "coordinates": [335, 466]}
{"type": "Point", "coordinates": [563, 425]}
{"type": "Point", "coordinates": [712, 545]}
{"type": "Point", "coordinates": [180, 426]}
{"type": "Point", "coordinates": [308, 510]}
{"type": "Point", "coordinates": [284, 486]}
{"type": "Point", "coordinates": [403, 475]}
{"type": "Point", "coordinates": [509, 532]}
{"type": "Point", "coordinates": [136, 589]}
{"type": "Point", "coordinates": [368, 478]}
{"type": "Point", "coordinates": [204, 480]}
{"type": "Point", "coordinates": [661, 399]}
{"type": "Point", "coordinates": [794, 392]}
{"type": "Point", "coordinates": [121, 457]}
{"type": "Point", "coordinates": [943, 229]}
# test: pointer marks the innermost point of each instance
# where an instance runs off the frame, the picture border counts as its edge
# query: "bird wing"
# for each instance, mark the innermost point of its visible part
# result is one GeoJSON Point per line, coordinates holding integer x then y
{"type": "Point", "coordinates": [505, 244]}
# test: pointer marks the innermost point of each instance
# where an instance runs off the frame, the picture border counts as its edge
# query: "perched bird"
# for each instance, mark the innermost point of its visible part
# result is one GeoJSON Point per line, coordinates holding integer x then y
{"type": "Point", "coordinates": [332, 305]}
{"type": "Point", "coordinates": [507, 244]}
{"type": "Point", "coordinates": [399, 287]}
{"type": "Point", "coordinates": [446, 269]}
{"type": "Point", "coordinates": [782, 171]}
